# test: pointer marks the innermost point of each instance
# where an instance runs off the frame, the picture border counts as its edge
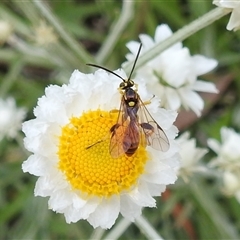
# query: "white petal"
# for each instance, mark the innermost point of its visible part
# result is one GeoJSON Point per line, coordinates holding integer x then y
{"type": "Point", "coordinates": [41, 137]}
{"type": "Point", "coordinates": [34, 127]}
{"type": "Point", "coordinates": [146, 41]}
{"type": "Point", "coordinates": [163, 32]}
{"type": "Point", "coordinates": [203, 86]}
{"type": "Point", "coordinates": [231, 146]}
{"type": "Point", "coordinates": [141, 196]}
{"type": "Point", "coordinates": [129, 209]}
{"type": "Point", "coordinates": [226, 133]}
{"type": "Point", "coordinates": [192, 100]}
{"type": "Point", "coordinates": [231, 182]}
{"type": "Point", "coordinates": [44, 145]}
{"type": "Point", "coordinates": [203, 64]}
{"type": "Point", "coordinates": [42, 188]}
{"type": "Point", "coordinates": [74, 213]}
{"type": "Point", "coordinates": [234, 22]}
{"type": "Point", "coordinates": [214, 145]}
{"type": "Point", "coordinates": [200, 152]}
{"type": "Point", "coordinates": [45, 185]}
{"type": "Point", "coordinates": [159, 174]}
{"type": "Point", "coordinates": [60, 200]}
{"type": "Point", "coordinates": [227, 3]}
{"type": "Point", "coordinates": [106, 213]}
{"type": "Point", "coordinates": [50, 106]}
{"type": "Point", "coordinates": [156, 189]}
{"type": "Point", "coordinates": [177, 67]}
{"type": "Point", "coordinates": [133, 46]}
{"type": "Point", "coordinates": [36, 165]}
{"type": "Point", "coordinates": [173, 99]}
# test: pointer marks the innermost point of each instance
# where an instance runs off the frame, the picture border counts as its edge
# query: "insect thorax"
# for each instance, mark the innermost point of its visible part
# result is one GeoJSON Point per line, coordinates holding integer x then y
{"type": "Point", "coordinates": [130, 97]}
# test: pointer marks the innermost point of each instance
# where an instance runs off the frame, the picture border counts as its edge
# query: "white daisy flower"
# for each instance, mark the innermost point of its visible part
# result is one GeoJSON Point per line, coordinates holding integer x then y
{"type": "Point", "coordinates": [11, 118]}
{"type": "Point", "coordinates": [44, 34]}
{"type": "Point", "coordinates": [6, 30]}
{"type": "Point", "coordinates": [228, 160]}
{"type": "Point", "coordinates": [234, 22]}
{"type": "Point", "coordinates": [172, 75]}
{"type": "Point", "coordinates": [190, 157]}
{"type": "Point", "coordinates": [70, 138]}
{"type": "Point", "coordinates": [228, 152]}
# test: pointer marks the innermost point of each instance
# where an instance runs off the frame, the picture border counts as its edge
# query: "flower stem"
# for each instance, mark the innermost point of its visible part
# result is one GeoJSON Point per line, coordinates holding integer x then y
{"type": "Point", "coordinates": [117, 29]}
{"type": "Point", "coordinates": [97, 233]}
{"type": "Point", "coordinates": [180, 35]}
{"type": "Point", "coordinates": [118, 230]}
{"type": "Point", "coordinates": [11, 77]}
{"type": "Point", "coordinates": [146, 228]}
{"type": "Point", "coordinates": [70, 41]}
{"type": "Point", "coordinates": [214, 212]}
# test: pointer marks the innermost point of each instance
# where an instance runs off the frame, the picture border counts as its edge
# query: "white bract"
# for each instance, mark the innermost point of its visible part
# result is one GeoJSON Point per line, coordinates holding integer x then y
{"type": "Point", "coordinates": [234, 21]}
{"type": "Point", "coordinates": [172, 75]}
{"type": "Point", "coordinates": [83, 192]}
{"type": "Point", "coordinates": [228, 160]}
{"type": "Point", "coordinates": [11, 118]}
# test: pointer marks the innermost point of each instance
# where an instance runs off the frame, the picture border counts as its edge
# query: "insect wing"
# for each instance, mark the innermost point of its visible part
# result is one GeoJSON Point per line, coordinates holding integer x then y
{"type": "Point", "coordinates": [116, 147]}
{"type": "Point", "coordinates": [154, 134]}
{"type": "Point", "coordinates": [125, 136]}
{"type": "Point", "coordinates": [120, 141]}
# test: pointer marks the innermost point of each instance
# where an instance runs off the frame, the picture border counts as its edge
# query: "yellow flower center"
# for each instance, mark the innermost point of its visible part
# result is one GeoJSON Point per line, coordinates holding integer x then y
{"type": "Point", "coordinates": [85, 160]}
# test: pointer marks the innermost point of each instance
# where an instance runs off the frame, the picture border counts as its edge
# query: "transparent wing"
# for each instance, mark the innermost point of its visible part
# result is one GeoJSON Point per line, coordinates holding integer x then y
{"type": "Point", "coordinates": [118, 132]}
{"type": "Point", "coordinates": [154, 134]}
{"type": "Point", "coordinates": [125, 135]}
{"type": "Point", "coordinates": [117, 148]}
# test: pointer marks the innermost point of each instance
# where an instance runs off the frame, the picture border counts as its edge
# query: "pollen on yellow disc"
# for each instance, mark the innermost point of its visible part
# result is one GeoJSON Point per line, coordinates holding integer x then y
{"type": "Point", "coordinates": [85, 160]}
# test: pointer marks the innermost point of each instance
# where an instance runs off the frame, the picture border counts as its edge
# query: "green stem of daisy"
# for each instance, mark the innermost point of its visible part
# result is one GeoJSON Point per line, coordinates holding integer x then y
{"type": "Point", "coordinates": [180, 35]}
{"type": "Point", "coordinates": [97, 233]}
{"type": "Point", "coordinates": [118, 230]}
{"type": "Point", "coordinates": [70, 41]}
{"type": "Point", "coordinates": [117, 29]}
{"type": "Point", "coordinates": [32, 54]}
{"type": "Point", "coordinates": [11, 77]}
{"type": "Point", "coordinates": [147, 229]}
{"type": "Point", "coordinates": [218, 217]}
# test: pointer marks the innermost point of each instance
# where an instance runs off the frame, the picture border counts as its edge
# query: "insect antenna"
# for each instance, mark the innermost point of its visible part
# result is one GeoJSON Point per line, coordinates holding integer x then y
{"type": "Point", "coordinates": [135, 61]}
{"type": "Point", "coordinates": [124, 80]}
{"type": "Point", "coordinates": [97, 66]}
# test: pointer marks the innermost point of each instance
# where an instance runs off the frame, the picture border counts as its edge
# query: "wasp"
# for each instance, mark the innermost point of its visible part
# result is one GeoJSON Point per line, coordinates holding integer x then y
{"type": "Point", "coordinates": [135, 124]}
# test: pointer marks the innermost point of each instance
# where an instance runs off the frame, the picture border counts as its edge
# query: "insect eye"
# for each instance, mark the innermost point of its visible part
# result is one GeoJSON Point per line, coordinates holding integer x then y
{"type": "Point", "coordinates": [122, 85]}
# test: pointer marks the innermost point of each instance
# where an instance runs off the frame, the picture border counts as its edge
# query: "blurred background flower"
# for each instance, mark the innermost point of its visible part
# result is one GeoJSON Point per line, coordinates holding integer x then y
{"type": "Point", "coordinates": [11, 118]}
{"type": "Point", "coordinates": [190, 157]}
{"type": "Point", "coordinates": [44, 34]}
{"type": "Point", "coordinates": [228, 151]}
{"type": "Point", "coordinates": [5, 31]}
{"type": "Point", "coordinates": [172, 75]}
{"type": "Point", "coordinates": [227, 160]}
